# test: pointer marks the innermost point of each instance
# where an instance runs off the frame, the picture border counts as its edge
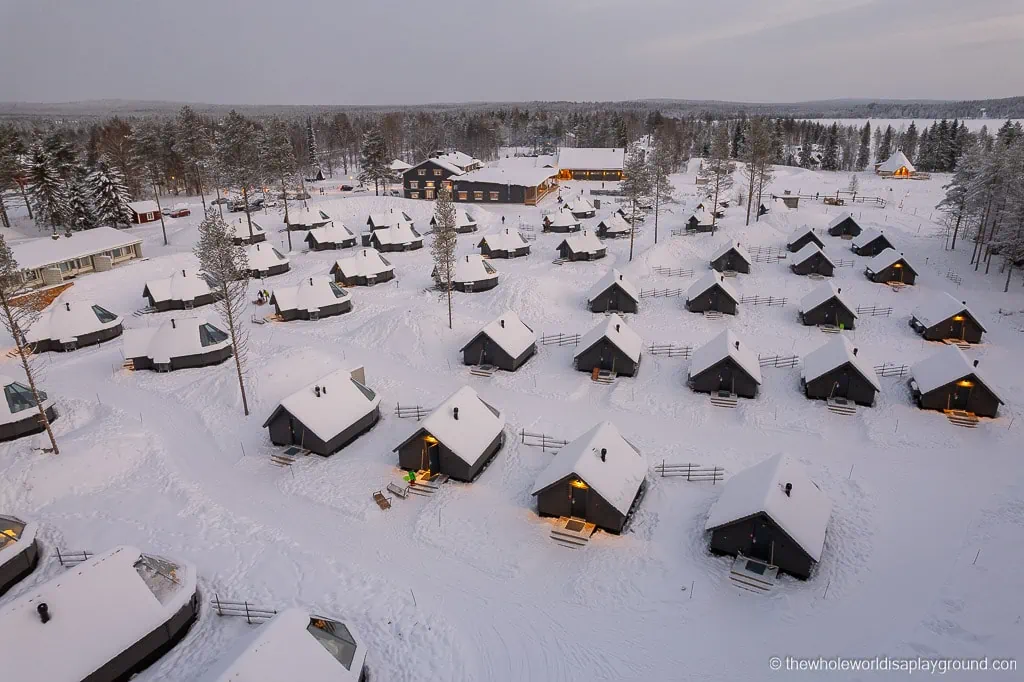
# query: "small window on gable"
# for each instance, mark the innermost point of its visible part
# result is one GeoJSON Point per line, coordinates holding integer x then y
{"type": "Point", "coordinates": [210, 335]}
{"type": "Point", "coordinates": [421, 172]}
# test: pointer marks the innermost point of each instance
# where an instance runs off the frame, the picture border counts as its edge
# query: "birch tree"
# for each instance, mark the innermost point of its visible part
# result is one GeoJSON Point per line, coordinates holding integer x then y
{"type": "Point", "coordinates": [148, 142]}
{"type": "Point", "coordinates": [193, 143]}
{"type": "Point", "coordinates": [442, 245]}
{"type": "Point", "coordinates": [226, 268]}
{"type": "Point", "coordinates": [238, 147]}
{"type": "Point", "coordinates": [19, 310]}
{"type": "Point", "coordinates": [279, 161]}
{"type": "Point", "coordinates": [718, 169]}
{"type": "Point", "coordinates": [636, 183]}
{"type": "Point", "coordinates": [659, 167]}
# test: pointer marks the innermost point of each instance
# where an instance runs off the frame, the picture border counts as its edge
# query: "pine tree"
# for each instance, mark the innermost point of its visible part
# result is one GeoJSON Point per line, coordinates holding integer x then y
{"type": "Point", "coordinates": [237, 150]}
{"type": "Point", "coordinates": [830, 155]}
{"type": "Point", "coordinates": [864, 149]}
{"type": "Point", "coordinates": [636, 183]}
{"type": "Point", "coordinates": [885, 149]}
{"type": "Point", "coordinates": [807, 155]}
{"type": "Point", "coordinates": [47, 191]}
{"type": "Point", "coordinates": [109, 194]}
{"type": "Point", "coordinates": [910, 140]}
{"type": "Point", "coordinates": [81, 215]}
{"type": "Point", "coordinates": [279, 161]}
{"type": "Point", "coordinates": [442, 245]}
{"type": "Point", "coordinates": [739, 138]}
{"type": "Point", "coordinates": [149, 150]}
{"type": "Point", "coordinates": [373, 159]}
{"type": "Point", "coordinates": [11, 150]}
{"type": "Point", "coordinates": [718, 169]}
{"type": "Point", "coordinates": [194, 144]}
{"type": "Point", "coordinates": [312, 151]}
{"type": "Point", "coordinates": [659, 167]}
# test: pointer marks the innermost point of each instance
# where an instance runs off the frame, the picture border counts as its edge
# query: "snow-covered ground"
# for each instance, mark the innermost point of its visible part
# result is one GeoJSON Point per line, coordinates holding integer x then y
{"type": "Point", "coordinates": [921, 556]}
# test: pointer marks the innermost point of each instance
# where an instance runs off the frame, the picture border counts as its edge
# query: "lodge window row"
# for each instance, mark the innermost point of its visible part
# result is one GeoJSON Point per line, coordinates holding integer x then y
{"type": "Point", "coordinates": [423, 171]}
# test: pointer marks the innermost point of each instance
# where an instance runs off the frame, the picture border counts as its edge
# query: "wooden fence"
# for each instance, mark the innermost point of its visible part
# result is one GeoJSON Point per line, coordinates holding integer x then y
{"type": "Point", "coordinates": [660, 293]}
{"type": "Point", "coordinates": [542, 440]}
{"type": "Point", "coordinates": [69, 558]}
{"type": "Point", "coordinates": [416, 412]}
{"type": "Point", "coordinates": [843, 263]}
{"type": "Point", "coordinates": [874, 311]}
{"type": "Point", "coordinates": [692, 472]}
{"type": "Point", "coordinates": [559, 339]}
{"type": "Point", "coordinates": [673, 272]}
{"type": "Point", "coordinates": [891, 369]}
{"type": "Point", "coordinates": [670, 350]}
{"type": "Point", "coordinates": [953, 277]}
{"type": "Point", "coordinates": [781, 361]}
{"type": "Point", "coordinates": [770, 301]}
{"type": "Point", "coordinates": [768, 258]}
{"type": "Point", "coordinates": [242, 609]}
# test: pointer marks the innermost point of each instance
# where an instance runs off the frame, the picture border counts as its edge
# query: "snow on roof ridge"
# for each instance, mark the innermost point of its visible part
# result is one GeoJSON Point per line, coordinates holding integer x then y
{"type": "Point", "coordinates": [945, 366]}
{"type": "Point", "coordinates": [584, 241]}
{"type": "Point", "coordinates": [510, 333]}
{"type": "Point", "coordinates": [845, 215]}
{"type": "Point", "coordinates": [808, 251]}
{"type": "Point", "coordinates": [615, 329]}
{"type": "Point", "coordinates": [309, 294]}
{"type": "Point", "coordinates": [867, 236]}
{"type": "Point", "coordinates": [469, 434]}
{"type": "Point", "coordinates": [612, 277]}
{"type": "Point", "coordinates": [822, 293]}
{"type": "Point", "coordinates": [710, 279]}
{"type": "Point", "coordinates": [836, 353]}
{"type": "Point", "coordinates": [365, 261]}
{"type": "Point", "coordinates": [508, 239]}
{"type": "Point", "coordinates": [338, 404]}
{"type": "Point", "coordinates": [726, 344]}
{"type": "Point", "coordinates": [886, 258]}
{"type": "Point", "coordinates": [731, 246]}
{"type": "Point", "coordinates": [942, 307]}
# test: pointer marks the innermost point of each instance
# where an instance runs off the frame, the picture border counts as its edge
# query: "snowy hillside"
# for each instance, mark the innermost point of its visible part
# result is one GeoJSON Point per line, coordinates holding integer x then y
{"type": "Point", "coordinates": [920, 557]}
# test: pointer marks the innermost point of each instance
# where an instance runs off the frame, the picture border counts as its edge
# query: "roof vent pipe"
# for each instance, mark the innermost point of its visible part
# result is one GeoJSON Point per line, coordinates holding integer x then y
{"type": "Point", "coordinates": [182, 273]}
{"type": "Point", "coordinates": [839, 290]}
{"type": "Point", "coordinates": [67, 305]}
{"type": "Point", "coordinates": [316, 391]}
{"type": "Point", "coordinates": [789, 489]}
{"type": "Point", "coordinates": [501, 323]}
{"type": "Point", "coordinates": [975, 363]}
{"type": "Point", "coordinates": [855, 350]}
{"type": "Point", "coordinates": [455, 413]}
{"type": "Point", "coordinates": [616, 327]}
{"type": "Point", "coordinates": [737, 345]}
{"type": "Point", "coordinates": [173, 325]}
{"type": "Point", "coordinates": [604, 454]}
{"type": "Point", "coordinates": [44, 612]}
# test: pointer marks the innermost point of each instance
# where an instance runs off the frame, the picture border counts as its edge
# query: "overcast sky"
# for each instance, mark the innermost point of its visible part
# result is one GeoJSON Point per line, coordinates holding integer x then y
{"type": "Point", "coordinates": [415, 51]}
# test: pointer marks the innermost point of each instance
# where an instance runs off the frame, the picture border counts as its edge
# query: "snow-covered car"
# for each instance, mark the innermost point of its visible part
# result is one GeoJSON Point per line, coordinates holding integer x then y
{"type": "Point", "coordinates": [218, 202]}
{"type": "Point", "coordinates": [179, 211]}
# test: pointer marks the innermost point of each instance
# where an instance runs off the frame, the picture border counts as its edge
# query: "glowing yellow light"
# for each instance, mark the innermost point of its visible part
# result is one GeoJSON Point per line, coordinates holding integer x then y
{"type": "Point", "coordinates": [958, 318]}
{"type": "Point", "coordinates": [430, 439]}
{"type": "Point", "coordinates": [965, 383]}
{"type": "Point", "coordinates": [579, 484]}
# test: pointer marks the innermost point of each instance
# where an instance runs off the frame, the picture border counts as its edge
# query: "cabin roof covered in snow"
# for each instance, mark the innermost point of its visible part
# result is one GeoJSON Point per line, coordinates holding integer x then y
{"type": "Point", "coordinates": [458, 159]}
{"type": "Point", "coordinates": [895, 162]}
{"type": "Point", "coordinates": [38, 253]}
{"type": "Point", "coordinates": [615, 224]}
{"type": "Point", "coordinates": [284, 649]}
{"type": "Point", "coordinates": [399, 166]}
{"type": "Point", "coordinates": [6, 415]}
{"type": "Point", "coordinates": [180, 286]}
{"type": "Point", "coordinates": [443, 163]}
{"type": "Point", "coordinates": [473, 268]}
{"type": "Point", "coordinates": [580, 205]}
{"type": "Point", "coordinates": [808, 251]}
{"type": "Point", "coordinates": [342, 402]}
{"type": "Point", "coordinates": [402, 233]}
{"type": "Point", "coordinates": [100, 608]}
{"type": "Point", "coordinates": [66, 320]}
{"type": "Point", "coordinates": [610, 278]}
{"type": "Point", "coordinates": [508, 239]}
{"type": "Point", "coordinates": [822, 293]}
{"type": "Point", "coordinates": [263, 256]}
{"type": "Point", "coordinates": [176, 337]}
{"type": "Point", "coordinates": [616, 479]}
{"type": "Point", "coordinates": [539, 161]}
{"type": "Point", "coordinates": [584, 241]}
{"type": "Point", "coordinates": [945, 366]}
{"type": "Point", "coordinates": [307, 216]}
{"type": "Point", "coordinates": [468, 436]}
{"type": "Point", "coordinates": [388, 218]}
{"type": "Point", "coordinates": [509, 332]}
{"type": "Point", "coordinates": [520, 177]}
{"type": "Point", "coordinates": [563, 217]}
{"type": "Point", "coordinates": [703, 216]}
{"type": "Point", "coordinates": [866, 237]}
{"type": "Point", "coordinates": [615, 329]}
{"type": "Point", "coordinates": [709, 280]}
{"type": "Point", "coordinates": [365, 262]}
{"type": "Point", "coordinates": [143, 207]}
{"type": "Point", "coordinates": [800, 232]}
{"type": "Point", "coordinates": [726, 345]}
{"type": "Point", "coordinates": [803, 514]}
{"type": "Point", "coordinates": [886, 258]}
{"type": "Point", "coordinates": [310, 294]}
{"type": "Point", "coordinates": [591, 158]}
{"type": "Point", "coordinates": [836, 353]}
{"type": "Point", "coordinates": [334, 233]}
{"type": "Point", "coordinates": [242, 228]}
{"type": "Point", "coordinates": [840, 218]}
{"type": "Point", "coordinates": [942, 307]}
{"type": "Point", "coordinates": [462, 219]}
{"type": "Point", "coordinates": [731, 246]}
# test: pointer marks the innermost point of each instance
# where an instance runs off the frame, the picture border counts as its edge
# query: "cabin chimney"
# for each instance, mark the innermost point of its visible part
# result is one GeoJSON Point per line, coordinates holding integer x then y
{"type": "Point", "coordinates": [604, 454]}
{"type": "Point", "coordinates": [316, 391]}
{"type": "Point", "coordinates": [855, 350]}
{"type": "Point", "coordinates": [455, 413]}
{"type": "Point", "coordinates": [501, 323]}
{"type": "Point", "coordinates": [839, 290]}
{"type": "Point", "coordinates": [182, 273]}
{"type": "Point", "coordinates": [975, 363]}
{"type": "Point", "coordinates": [310, 281]}
{"type": "Point", "coordinates": [44, 612]}
{"type": "Point", "coordinates": [737, 345]}
{"type": "Point", "coordinates": [173, 325]}
{"type": "Point", "coordinates": [67, 305]}
{"type": "Point", "coordinates": [964, 302]}
{"type": "Point", "coordinates": [620, 277]}
{"type": "Point", "coordinates": [789, 489]}
{"type": "Point", "coordinates": [616, 327]}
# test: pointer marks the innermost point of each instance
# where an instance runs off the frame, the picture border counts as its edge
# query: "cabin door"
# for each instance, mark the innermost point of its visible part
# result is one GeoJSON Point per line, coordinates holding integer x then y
{"type": "Point", "coordinates": [578, 501]}
{"type": "Point", "coordinates": [761, 540]}
{"type": "Point", "coordinates": [961, 398]}
{"type": "Point", "coordinates": [842, 388]}
{"type": "Point", "coordinates": [292, 431]}
{"type": "Point", "coordinates": [431, 456]}
{"type": "Point", "coordinates": [484, 356]}
{"type": "Point", "coordinates": [957, 328]}
{"type": "Point", "coordinates": [726, 380]}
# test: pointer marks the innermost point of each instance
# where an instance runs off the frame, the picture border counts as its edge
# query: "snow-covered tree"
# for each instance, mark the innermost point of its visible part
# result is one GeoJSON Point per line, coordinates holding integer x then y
{"type": "Point", "coordinates": [373, 159]}
{"type": "Point", "coordinates": [864, 148]}
{"type": "Point", "coordinates": [717, 169]}
{"type": "Point", "coordinates": [47, 191]}
{"type": "Point", "coordinates": [226, 268]}
{"type": "Point", "coordinates": [109, 194]}
{"type": "Point", "coordinates": [854, 185]}
{"type": "Point", "coordinates": [11, 149]}
{"type": "Point", "coordinates": [442, 245]}
{"type": "Point", "coordinates": [807, 155]}
{"type": "Point", "coordinates": [279, 161]}
{"type": "Point", "coordinates": [635, 183]}
{"type": "Point", "coordinates": [194, 144]}
{"type": "Point", "coordinates": [149, 147]}
{"type": "Point", "coordinates": [238, 152]}
{"type": "Point", "coordinates": [830, 154]}
{"type": "Point", "coordinates": [19, 310]}
{"type": "Point", "coordinates": [80, 213]}
{"type": "Point", "coordinates": [659, 166]}
{"type": "Point", "coordinates": [312, 151]}
{"type": "Point", "coordinates": [885, 146]}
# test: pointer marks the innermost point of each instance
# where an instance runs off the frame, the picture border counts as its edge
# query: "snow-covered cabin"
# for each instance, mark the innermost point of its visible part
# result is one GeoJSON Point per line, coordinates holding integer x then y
{"type": "Point", "coordinates": [399, 237]}
{"type": "Point", "coordinates": [581, 208]}
{"type": "Point", "coordinates": [583, 245]}
{"type": "Point", "coordinates": [731, 257]}
{"type": "Point", "coordinates": [508, 243]}
{"type": "Point", "coordinates": [294, 645]}
{"type": "Point", "coordinates": [69, 325]}
{"type": "Point", "coordinates": [504, 185]}
{"type": "Point", "coordinates": [380, 221]}
{"type": "Point", "coordinates": [144, 211]}
{"type": "Point", "coordinates": [506, 343]}
{"type": "Point", "coordinates": [947, 380]}
{"type": "Point", "coordinates": [458, 438]}
{"type": "Point", "coordinates": [307, 219]}
{"type": "Point", "coordinates": [243, 236]}
{"type": "Point", "coordinates": [107, 618]}
{"type": "Point", "coordinates": [890, 267]}
{"type": "Point", "coordinates": [464, 222]}
{"type": "Point", "coordinates": [772, 512]}
{"type": "Point", "coordinates": [896, 166]}
{"type": "Point", "coordinates": [708, 206]}
{"type": "Point", "coordinates": [844, 225]}
{"type": "Point", "coordinates": [183, 290]}
{"type": "Point", "coordinates": [176, 344]}
{"type": "Point", "coordinates": [460, 160]}
{"type": "Point", "coordinates": [613, 227]}
{"type": "Point", "coordinates": [330, 237]}
{"type": "Point", "coordinates": [327, 414]}
{"type": "Point", "coordinates": [591, 163]}
{"type": "Point", "coordinates": [426, 178]}
{"type": "Point", "coordinates": [870, 243]}
{"type": "Point", "coordinates": [614, 292]}
{"type": "Point", "coordinates": [599, 477]}
{"type": "Point", "coordinates": [312, 298]}
{"type": "Point", "coordinates": [811, 260]}
{"type": "Point", "coordinates": [51, 260]}
{"type": "Point", "coordinates": [266, 261]}
{"type": "Point", "coordinates": [19, 550]}
{"type": "Point", "coordinates": [725, 364]}
{"type": "Point", "coordinates": [946, 317]}
{"type": "Point", "coordinates": [610, 346]}
{"type": "Point", "coordinates": [700, 221]}
{"type": "Point", "coordinates": [397, 167]}
{"type": "Point", "coordinates": [472, 274]}
{"type": "Point", "coordinates": [801, 237]}
{"type": "Point", "coordinates": [827, 304]}
{"type": "Point", "coordinates": [19, 413]}
{"type": "Point", "coordinates": [561, 221]}
{"type": "Point", "coordinates": [837, 370]}
{"type": "Point", "coordinates": [712, 292]}
{"type": "Point", "coordinates": [364, 268]}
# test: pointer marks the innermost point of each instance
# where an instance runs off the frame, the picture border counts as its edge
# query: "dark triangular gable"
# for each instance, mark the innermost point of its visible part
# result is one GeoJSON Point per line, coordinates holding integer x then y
{"type": "Point", "coordinates": [717, 285]}
{"type": "Point", "coordinates": [735, 365]}
{"type": "Point", "coordinates": [830, 299]}
{"type": "Point", "coordinates": [779, 529]}
{"type": "Point", "coordinates": [616, 285]}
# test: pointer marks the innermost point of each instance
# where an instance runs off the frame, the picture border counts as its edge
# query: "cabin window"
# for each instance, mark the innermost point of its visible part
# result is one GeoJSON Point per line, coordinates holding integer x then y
{"type": "Point", "coordinates": [478, 196]}
{"type": "Point", "coordinates": [414, 195]}
{"type": "Point", "coordinates": [463, 196]}
{"type": "Point", "coordinates": [429, 184]}
{"type": "Point", "coordinates": [210, 335]}
{"type": "Point", "coordinates": [10, 531]}
{"type": "Point", "coordinates": [447, 184]}
{"type": "Point", "coordinates": [429, 194]}
{"type": "Point", "coordinates": [437, 172]}
{"type": "Point", "coordinates": [160, 576]}
{"type": "Point", "coordinates": [334, 637]}
{"type": "Point", "coordinates": [421, 172]}
{"type": "Point", "coordinates": [337, 291]}
{"type": "Point", "coordinates": [494, 196]}
{"type": "Point", "coordinates": [414, 184]}
{"type": "Point", "coordinates": [149, 216]}
{"type": "Point", "coordinates": [19, 397]}
{"type": "Point", "coordinates": [103, 315]}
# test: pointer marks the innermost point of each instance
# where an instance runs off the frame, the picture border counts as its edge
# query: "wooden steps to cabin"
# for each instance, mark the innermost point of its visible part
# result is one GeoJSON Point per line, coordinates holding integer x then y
{"type": "Point", "coordinates": [148, 310]}
{"type": "Point", "coordinates": [753, 575]}
{"type": "Point", "coordinates": [427, 484]}
{"type": "Point", "coordinates": [729, 273]}
{"type": "Point", "coordinates": [815, 276]}
{"type": "Point", "coordinates": [603, 376]}
{"type": "Point", "coordinates": [829, 328]}
{"type": "Point", "coordinates": [962, 418]}
{"type": "Point", "coordinates": [962, 345]}
{"type": "Point", "coordinates": [572, 533]}
{"type": "Point", "coordinates": [713, 315]}
{"type": "Point", "coordinates": [723, 399]}
{"type": "Point", "coordinates": [483, 370]}
{"type": "Point", "coordinates": [842, 406]}
{"type": "Point", "coordinates": [129, 365]}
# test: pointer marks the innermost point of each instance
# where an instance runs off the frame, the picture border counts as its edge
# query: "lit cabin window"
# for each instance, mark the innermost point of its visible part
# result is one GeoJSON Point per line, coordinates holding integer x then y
{"type": "Point", "coordinates": [103, 315]}
{"type": "Point", "coordinates": [478, 196]}
{"type": "Point", "coordinates": [210, 335]}
{"type": "Point", "coordinates": [494, 196]}
{"type": "Point", "coordinates": [10, 530]}
{"type": "Point", "coordinates": [19, 397]}
{"type": "Point", "coordinates": [463, 196]}
{"type": "Point", "coordinates": [414, 195]}
{"type": "Point", "coordinates": [437, 172]}
{"type": "Point", "coordinates": [160, 576]}
{"type": "Point", "coordinates": [421, 171]}
{"type": "Point", "coordinates": [334, 637]}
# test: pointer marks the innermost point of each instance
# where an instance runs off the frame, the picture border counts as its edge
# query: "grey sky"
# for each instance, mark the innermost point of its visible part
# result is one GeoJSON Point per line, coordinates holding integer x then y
{"type": "Point", "coordinates": [412, 51]}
